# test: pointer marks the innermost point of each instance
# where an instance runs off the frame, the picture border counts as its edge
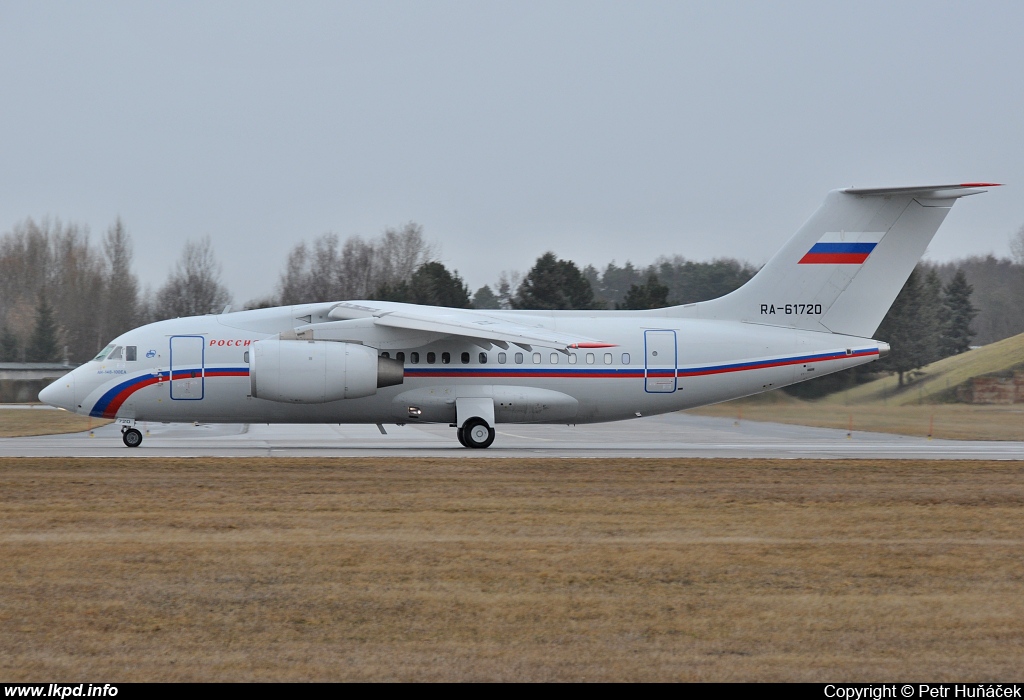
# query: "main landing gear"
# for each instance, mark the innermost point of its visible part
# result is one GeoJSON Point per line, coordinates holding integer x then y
{"type": "Point", "coordinates": [475, 433]}
{"type": "Point", "coordinates": [131, 437]}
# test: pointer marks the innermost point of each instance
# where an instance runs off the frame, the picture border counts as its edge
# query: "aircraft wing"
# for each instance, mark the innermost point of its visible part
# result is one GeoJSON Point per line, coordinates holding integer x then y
{"type": "Point", "coordinates": [468, 324]}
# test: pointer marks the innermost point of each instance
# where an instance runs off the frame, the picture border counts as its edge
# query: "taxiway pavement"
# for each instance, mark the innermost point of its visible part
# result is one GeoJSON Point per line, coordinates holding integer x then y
{"type": "Point", "coordinates": [671, 435]}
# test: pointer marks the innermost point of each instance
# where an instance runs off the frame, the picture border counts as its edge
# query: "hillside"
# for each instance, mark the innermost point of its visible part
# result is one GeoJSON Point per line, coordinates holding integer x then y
{"type": "Point", "coordinates": [937, 382]}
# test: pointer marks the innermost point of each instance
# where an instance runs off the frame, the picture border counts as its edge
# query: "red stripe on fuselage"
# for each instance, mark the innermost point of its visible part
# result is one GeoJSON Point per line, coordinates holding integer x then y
{"type": "Point", "coordinates": [115, 403]}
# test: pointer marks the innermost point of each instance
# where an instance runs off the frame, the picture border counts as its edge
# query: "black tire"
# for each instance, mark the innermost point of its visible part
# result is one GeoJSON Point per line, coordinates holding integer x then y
{"type": "Point", "coordinates": [477, 433]}
{"type": "Point", "coordinates": [461, 437]}
{"type": "Point", "coordinates": [131, 437]}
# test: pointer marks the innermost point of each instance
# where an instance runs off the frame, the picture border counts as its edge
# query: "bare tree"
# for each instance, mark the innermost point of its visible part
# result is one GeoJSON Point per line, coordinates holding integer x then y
{"type": "Point", "coordinates": [291, 287]}
{"type": "Point", "coordinates": [508, 287]}
{"type": "Point", "coordinates": [1017, 246]}
{"type": "Point", "coordinates": [358, 270]}
{"type": "Point", "coordinates": [56, 260]}
{"type": "Point", "coordinates": [25, 257]}
{"type": "Point", "coordinates": [193, 287]}
{"type": "Point", "coordinates": [329, 270]}
{"type": "Point", "coordinates": [401, 253]}
{"type": "Point", "coordinates": [322, 279]}
{"type": "Point", "coordinates": [121, 305]}
{"type": "Point", "coordinates": [75, 285]}
{"type": "Point", "coordinates": [147, 306]}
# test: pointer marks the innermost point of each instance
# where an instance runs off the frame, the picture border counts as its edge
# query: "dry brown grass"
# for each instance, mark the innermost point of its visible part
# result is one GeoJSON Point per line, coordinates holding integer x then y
{"type": "Point", "coordinates": [426, 569]}
{"type": "Point", "coordinates": [947, 421]}
{"type": "Point", "coordinates": [18, 422]}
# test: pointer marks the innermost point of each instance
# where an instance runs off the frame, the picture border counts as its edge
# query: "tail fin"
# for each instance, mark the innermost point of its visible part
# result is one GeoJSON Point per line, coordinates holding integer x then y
{"type": "Point", "coordinates": [843, 269]}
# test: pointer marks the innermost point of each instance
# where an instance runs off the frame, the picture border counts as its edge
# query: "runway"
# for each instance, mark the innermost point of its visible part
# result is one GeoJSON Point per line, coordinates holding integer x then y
{"type": "Point", "coordinates": [671, 435]}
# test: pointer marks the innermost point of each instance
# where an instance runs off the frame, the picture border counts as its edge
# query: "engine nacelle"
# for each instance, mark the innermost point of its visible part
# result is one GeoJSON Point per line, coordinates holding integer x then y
{"type": "Point", "coordinates": [318, 371]}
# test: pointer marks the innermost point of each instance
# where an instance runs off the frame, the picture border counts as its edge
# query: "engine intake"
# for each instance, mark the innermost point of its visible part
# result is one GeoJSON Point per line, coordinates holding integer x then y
{"type": "Point", "coordinates": [318, 371]}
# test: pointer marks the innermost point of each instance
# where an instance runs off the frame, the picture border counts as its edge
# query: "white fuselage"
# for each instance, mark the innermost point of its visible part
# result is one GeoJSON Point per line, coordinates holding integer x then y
{"type": "Point", "coordinates": [197, 369]}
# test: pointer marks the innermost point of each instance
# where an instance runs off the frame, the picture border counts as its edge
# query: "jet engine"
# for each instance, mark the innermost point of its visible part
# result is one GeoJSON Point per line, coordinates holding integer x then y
{"type": "Point", "coordinates": [318, 371]}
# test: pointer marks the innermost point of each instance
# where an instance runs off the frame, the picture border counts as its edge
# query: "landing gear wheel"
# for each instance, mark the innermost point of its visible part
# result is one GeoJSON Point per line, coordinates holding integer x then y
{"type": "Point", "coordinates": [461, 436]}
{"type": "Point", "coordinates": [477, 433]}
{"type": "Point", "coordinates": [131, 437]}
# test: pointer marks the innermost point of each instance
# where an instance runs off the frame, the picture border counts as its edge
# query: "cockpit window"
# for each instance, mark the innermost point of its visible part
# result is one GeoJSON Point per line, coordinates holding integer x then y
{"type": "Point", "coordinates": [103, 353]}
{"type": "Point", "coordinates": [131, 353]}
{"type": "Point", "coordinates": [116, 353]}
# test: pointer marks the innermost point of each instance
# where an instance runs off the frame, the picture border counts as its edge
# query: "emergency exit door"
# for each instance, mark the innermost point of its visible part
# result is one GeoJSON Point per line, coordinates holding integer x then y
{"type": "Point", "coordinates": [660, 361]}
{"type": "Point", "coordinates": [188, 371]}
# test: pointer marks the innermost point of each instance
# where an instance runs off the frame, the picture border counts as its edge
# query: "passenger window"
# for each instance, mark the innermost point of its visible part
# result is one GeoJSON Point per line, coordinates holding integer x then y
{"type": "Point", "coordinates": [572, 358]}
{"type": "Point", "coordinates": [501, 358]}
{"type": "Point", "coordinates": [431, 358]}
{"type": "Point", "coordinates": [483, 358]}
{"type": "Point", "coordinates": [131, 353]}
{"type": "Point", "coordinates": [386, 354]}
{"type": "Point", "coordinates": [446, 358]}
{"type": "Point", "coordinates": [400, 356]}
{"type": "Point", "coordinates": [607, 358]}
{"type": "Point", "coordinates": [554, 358]}
{"type": "Point", "coordinates": [414, 358]}
{"type": "Point", "coordinates": [536, 358]}
{"type": "Point", "coordinates": [245, 356]}
{"type": "Point", "coordinates": [590, 358]}
{"type": "Point", "coordinates": [625, 358]}
{"type": "Point", "coordinates": [465, 358]}
{"type": "Point", "coordinates": [519, 358]}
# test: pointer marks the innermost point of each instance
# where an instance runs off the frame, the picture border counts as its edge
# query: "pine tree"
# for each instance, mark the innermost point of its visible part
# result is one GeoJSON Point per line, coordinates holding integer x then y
{"type": "Point", "coordinates": [959, 312]}
{"type": "Point", "coordinates": [930, 318]}
{"type": "Point", "coordinates": [554, 284]}
{"type": "Point", "coordinates": [652, 294]}
{"type": "Point", "coordinates": [690, 281]}
{"type": "Point", "coordinates": [485, 298]}
{"type": "Point", "coordinates": [909, 328]}
{"type": "Point", "coordinates": [43, 345]}
{"type": "Point", "coordinates": [399, 291]}
{"type": "Point", "coordinates": [615, 282]}
{"type": "Point", "coordinates": [432, 284]}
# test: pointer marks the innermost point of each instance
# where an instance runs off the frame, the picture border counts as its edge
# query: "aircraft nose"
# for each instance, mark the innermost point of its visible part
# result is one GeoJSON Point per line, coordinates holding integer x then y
{"type": "Point", "coordinates": [61, 393]}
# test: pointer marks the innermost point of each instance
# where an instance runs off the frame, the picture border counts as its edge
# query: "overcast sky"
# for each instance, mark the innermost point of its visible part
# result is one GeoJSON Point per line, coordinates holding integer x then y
{"type": "Point", "coordinates": [598, 130]}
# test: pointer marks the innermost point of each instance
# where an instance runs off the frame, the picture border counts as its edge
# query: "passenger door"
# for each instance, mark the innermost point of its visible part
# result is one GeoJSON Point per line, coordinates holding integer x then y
{"type": "Point", "coordinates": [188, 371]}
{"type": "Point", "coordinates": [660, 361]}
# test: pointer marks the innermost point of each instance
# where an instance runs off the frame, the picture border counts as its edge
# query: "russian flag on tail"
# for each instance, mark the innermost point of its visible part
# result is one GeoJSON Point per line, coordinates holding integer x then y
{"type": "Point", "coordinates": [842, 248]}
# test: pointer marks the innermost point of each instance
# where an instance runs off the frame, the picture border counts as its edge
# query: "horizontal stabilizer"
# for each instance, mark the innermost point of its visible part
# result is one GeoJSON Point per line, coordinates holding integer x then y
{"type": "Point", "coordinates": [930, 191]}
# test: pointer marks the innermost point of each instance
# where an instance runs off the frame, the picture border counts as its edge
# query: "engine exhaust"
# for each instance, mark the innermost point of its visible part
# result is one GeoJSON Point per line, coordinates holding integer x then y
{"type": "Point", "coordinates": [389, 372]}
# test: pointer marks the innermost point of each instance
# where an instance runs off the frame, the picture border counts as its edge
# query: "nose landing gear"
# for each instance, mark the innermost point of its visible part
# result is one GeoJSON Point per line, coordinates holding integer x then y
{"type": "Point", "coordinates": [131, 437]}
